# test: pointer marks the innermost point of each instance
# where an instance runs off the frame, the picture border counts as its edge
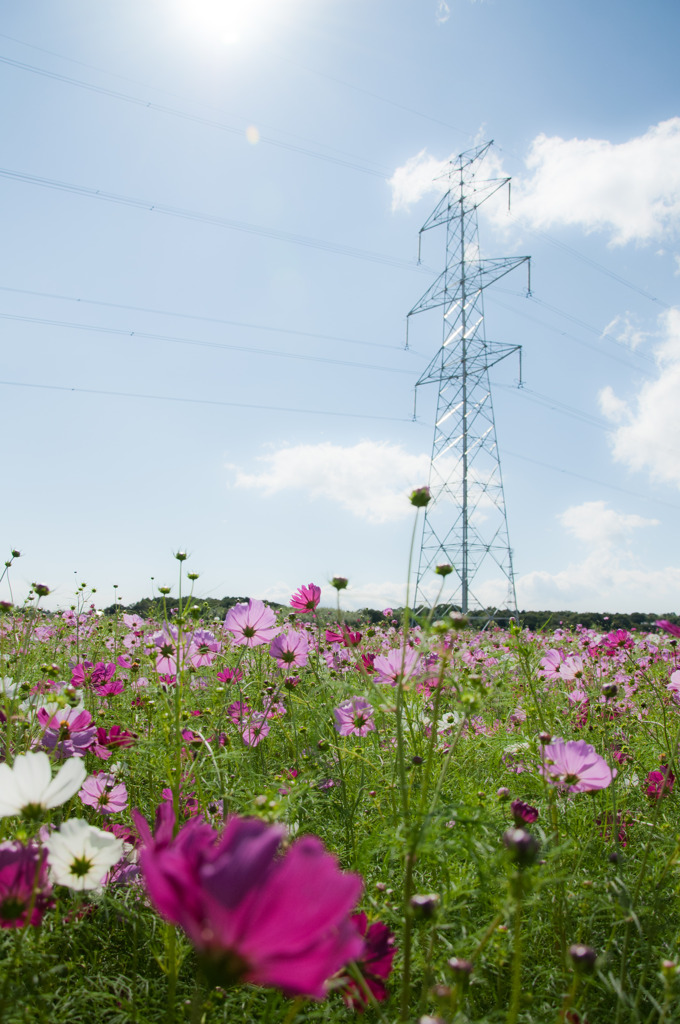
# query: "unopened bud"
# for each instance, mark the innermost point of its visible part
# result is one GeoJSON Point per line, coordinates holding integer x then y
{"type": "Point", "coordinates": [424, 906]}
{"type": "Point", "coordinates": [339, 582]}
{"type": "Point", "coordinates": [460, 968]}
{"type": "Point", "coordinates": [521, 845]}
{"type": "Point", "coordinates": [444, 570]}
{"type": "Point", "coordinates": [583, 958]}
{"type": "Point", "coordinates": [421, 497]}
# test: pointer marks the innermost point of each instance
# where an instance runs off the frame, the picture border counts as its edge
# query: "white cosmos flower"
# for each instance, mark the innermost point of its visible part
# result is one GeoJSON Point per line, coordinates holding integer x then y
{"type": "Point", "coordinates": [28, 787]}
{"type": "Point", "coordinates": [8, 687]}
{"type": "Point", "coordinates": [79, 855]}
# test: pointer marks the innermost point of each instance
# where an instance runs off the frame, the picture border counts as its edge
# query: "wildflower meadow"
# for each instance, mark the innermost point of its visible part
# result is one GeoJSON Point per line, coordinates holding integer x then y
{"type": "Point", "coordinates": [290, 815]}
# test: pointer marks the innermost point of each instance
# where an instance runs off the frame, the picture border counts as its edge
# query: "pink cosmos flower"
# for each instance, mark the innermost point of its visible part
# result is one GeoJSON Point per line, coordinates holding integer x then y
{"type": "Point", "coordinates": [375, 963]}
{"type": "Point", "coordinates": [575, 766]}
{"type": "Point", "coordinates": [354, 717]}
{"type": "Point", "coordinates": [251, 624]}
{"type": "Point", "coordinates": [289, 649]}
{"type": "Point", "coordinates": [674, 686]}
{"type": "Point", "coordinates": [204, 648]}
{"type": "Point", "coordinates": [252, 914]}
{"type": "Point", "coordinates": [571, 667]}
{"type": "Point", "coordinates": [306, 599]}
{"type": "Point", "coordinates": [400, 663]}
{"type": "Point", "coordinates": [170, 652]}
{"type": "Point", "coordinates": [69, 732]}
{"type": "Point", "coordinates": [230, 675]}
{"type": "Point", "coordinates": [255, 729]}
{"type": "Point", "coordinates": [550, 664]}
{"type": "Point", "coordinates": [23, 869]}
{"type": "Point", "coordinates": [104, 794]}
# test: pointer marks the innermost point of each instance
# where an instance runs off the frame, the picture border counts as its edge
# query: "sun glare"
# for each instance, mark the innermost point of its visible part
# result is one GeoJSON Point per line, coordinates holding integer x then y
{"type": "Point", "coordinates": [230, 22]}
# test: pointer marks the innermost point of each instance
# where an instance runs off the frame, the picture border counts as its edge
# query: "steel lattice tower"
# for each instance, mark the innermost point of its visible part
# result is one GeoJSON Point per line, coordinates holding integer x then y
{"type": "Point", "coordinates": [465, 523]}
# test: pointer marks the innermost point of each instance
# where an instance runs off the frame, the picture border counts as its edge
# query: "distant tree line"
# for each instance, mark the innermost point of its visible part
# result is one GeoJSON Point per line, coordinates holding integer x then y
{"type": "Point", "coordinates": [211, 608]}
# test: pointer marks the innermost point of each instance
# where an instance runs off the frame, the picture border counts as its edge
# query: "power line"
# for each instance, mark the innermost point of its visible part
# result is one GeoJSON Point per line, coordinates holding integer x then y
{"type": "Point", "coordinates": [147, 336]}
{"type": "Point", "coordinates": [591, 480]}
{"type": "Point", "coordinates": [579, 341]}
{"type": "Point", "coordinates": [557, 406]}
{"type": "Point", "coordinates": [203, 319]}
{"type": "Point", "coordinates": [595, 264]}
{"type": "Point", "coordinates": [207, 218]}
{"type": "Point", "coordinates": [203, 401]}
{"type": "Point", "coordinates": [197, 119]}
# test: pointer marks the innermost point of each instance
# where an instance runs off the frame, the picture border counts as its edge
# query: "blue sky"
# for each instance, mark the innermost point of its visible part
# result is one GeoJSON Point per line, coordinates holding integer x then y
{"type": "Point", "coordinates": [210, 224]}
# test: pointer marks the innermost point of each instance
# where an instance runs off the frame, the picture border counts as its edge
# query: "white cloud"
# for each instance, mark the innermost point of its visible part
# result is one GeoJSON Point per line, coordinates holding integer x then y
{"type": "Point", "coordinates": [648, 431]}
{"type": "Point", "coordinates": [599, 583]}
{"type": "Point", "coordinates": [610, 577]}
{"type": "Point", "coordinates": [594, 523]}
{"type": "Point", "coordinates": [443, 12]}
{"type": "Point", "coordinates": [417, 178]}
{"type": "Point", "coordinates": [629, 189]}
{"type": "Point", "coordinates": [371, 479]}
{"type": "Point", "coordinates": [625, 329]}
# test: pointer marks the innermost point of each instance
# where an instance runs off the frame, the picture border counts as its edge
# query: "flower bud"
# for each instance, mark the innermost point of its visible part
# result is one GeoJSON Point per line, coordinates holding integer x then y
{"type": "Point", "coordinates": [609, 690]}
{"type": "Point", "coordinates": [503, 793]}
{"type": "Point", "coordinates": [523, 814]}
{"type": "Point", "coordinates": [444, 570]}
{"type": "Point", "coordinates": [424, 906]}
{"type": "Point", "coordinates": [461, 969]}
{"type": "Point", "coordinates": [421, 497]}
{"type": "Point", "coordinates": [339, 582]}
{"type": "Point", "coordinates": [181, 556]}
{"type": "Point", "coordinates": [522, 846]}
{"type": "Point", "coordinates": [41, 589]}
{"type": "Point", "coordinates": [583, 958]}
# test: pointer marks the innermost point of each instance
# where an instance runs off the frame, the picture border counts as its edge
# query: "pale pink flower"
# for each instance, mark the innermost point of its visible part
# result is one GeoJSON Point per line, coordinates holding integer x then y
{"type": "Point", "coordinates": [251, 624]}
{"type": "Point", "coordinates": [289, 649]}
{"type": "Point", "coordinates": [354, 717]}
{"type": "Point", "coordinates": [575, 766]}
{"type": "Point", "coordinates": [399, 663]}
{"type": "Point", "coordinates": [102, 792]}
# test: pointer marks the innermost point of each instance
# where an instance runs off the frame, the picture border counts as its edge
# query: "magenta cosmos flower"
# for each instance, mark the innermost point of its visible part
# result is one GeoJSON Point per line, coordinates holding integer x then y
{"type": "Point", "coordinates": [251, 624]}
{"type": "Point", "coordinates": [375, 963]}
{"type": "Point", "coordinates": [289, 649]}
{"type": "Point", "coordinates": [575, 766]}
{"type": "Point", "coordinates": [253, 915]}
{"type": "Point", "coordinates": [354, 717]}
{"type": "Point", "coordinates": [24, 885]}
{"type": "Point", "coordinates": [306, 599]}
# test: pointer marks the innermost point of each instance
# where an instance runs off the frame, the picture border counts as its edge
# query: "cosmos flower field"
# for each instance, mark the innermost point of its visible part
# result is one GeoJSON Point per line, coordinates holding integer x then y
{"type": "Point", "coordinates": [280, 816]}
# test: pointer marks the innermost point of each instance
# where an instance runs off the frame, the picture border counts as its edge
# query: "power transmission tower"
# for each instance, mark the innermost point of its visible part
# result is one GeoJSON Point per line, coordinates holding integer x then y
{"type": "Point", "coordinates": [465, 523]}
